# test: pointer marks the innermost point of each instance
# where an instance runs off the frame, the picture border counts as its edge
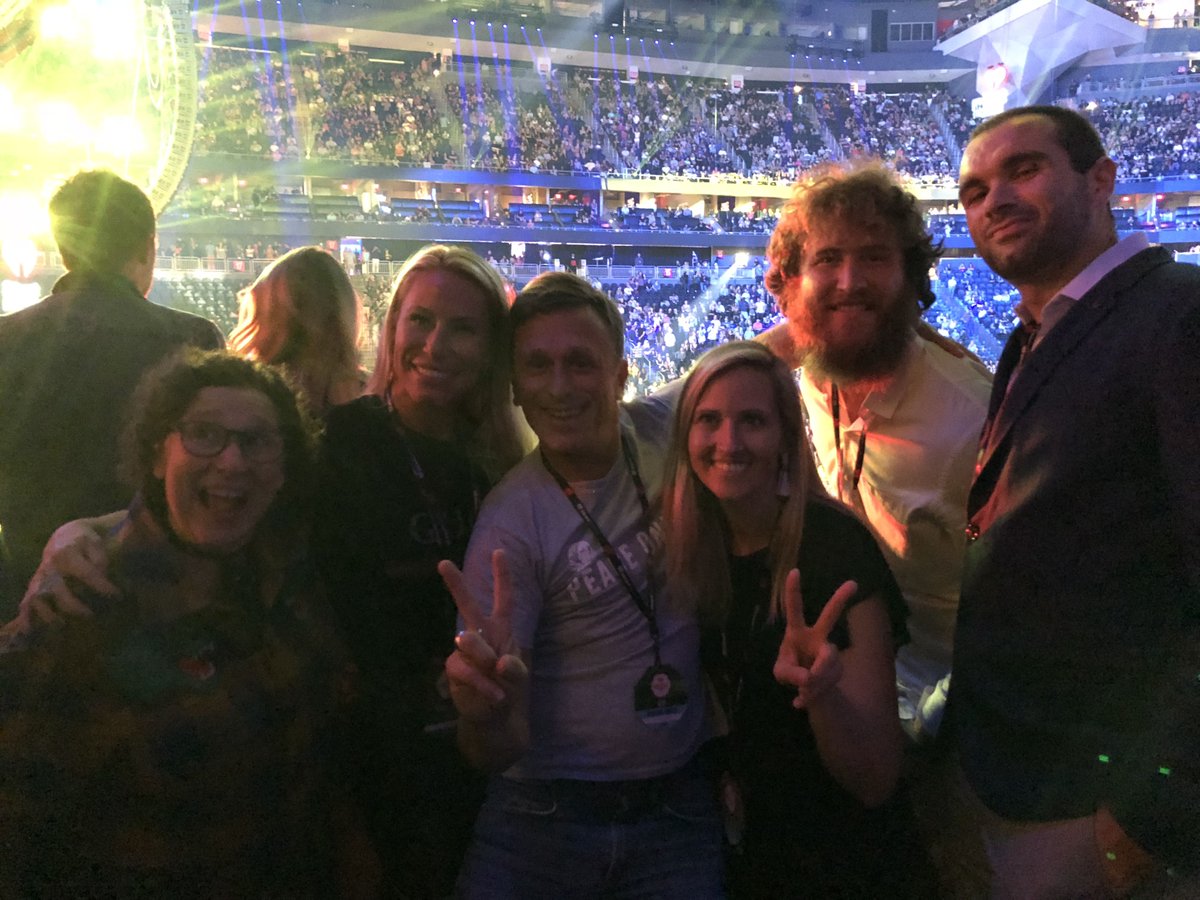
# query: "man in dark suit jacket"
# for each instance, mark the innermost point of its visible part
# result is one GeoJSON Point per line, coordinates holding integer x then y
{"type": "Point", "coordinates": [1076, 699]}
{"type": "Point", "coordinates": [69, 363]}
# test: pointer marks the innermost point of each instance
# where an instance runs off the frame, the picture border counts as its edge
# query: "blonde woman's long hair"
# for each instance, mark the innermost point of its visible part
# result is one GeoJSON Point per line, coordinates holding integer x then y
{"type": "Point", "coordinates": [302, 314]}
{"type": "Point", "coordinates": [489, 415]}
{"type": "Point", "coordinates": [697, 534]}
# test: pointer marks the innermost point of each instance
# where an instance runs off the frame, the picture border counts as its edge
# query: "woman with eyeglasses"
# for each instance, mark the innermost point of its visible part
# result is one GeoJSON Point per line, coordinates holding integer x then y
{"type": "Point", "coordinates": [400, 476]}
{"type": "Point", "coordinates": [174, 742]}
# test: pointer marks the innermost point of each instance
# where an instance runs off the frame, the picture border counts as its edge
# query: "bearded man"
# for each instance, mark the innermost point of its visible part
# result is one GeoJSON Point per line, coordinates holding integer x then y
{"type": "Point", "coordinates": [894, 420]}
{"type": "Point", "coordinates": [894, 423]}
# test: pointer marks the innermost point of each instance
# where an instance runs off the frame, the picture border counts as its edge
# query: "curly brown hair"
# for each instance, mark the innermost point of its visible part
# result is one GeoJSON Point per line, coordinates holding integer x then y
{"type": "Point", "coordinates": [167, 391]}
{"type": "Point", "coordinates": [859, 192]}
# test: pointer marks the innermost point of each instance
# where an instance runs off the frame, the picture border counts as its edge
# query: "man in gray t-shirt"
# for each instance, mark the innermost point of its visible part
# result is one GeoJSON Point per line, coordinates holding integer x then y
{"type": "Point", "coordinates": [595, 709]}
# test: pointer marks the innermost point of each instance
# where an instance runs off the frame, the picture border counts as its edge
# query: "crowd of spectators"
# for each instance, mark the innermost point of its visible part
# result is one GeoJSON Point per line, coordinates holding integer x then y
{"type": "Point", "coordinates": [217, 248]}
{"type": "Point", "coordinates": [945, 223]}
{"type": "Point", "coordinates": [1183, 80]}
{"type": "Point", "coordinates": [530, 130]}
{"type": "Point", "coordinates": [561, 134]}
{"type": "Point", "coordinates": [655, 125]}
{"type": "Point", "coordinates": [755, 222]}
{"type": "Point", "coordinates": [214, 298]}
{"type": "Point", "coordinates": [958, 118]}
{"type": "Point", "coordinates": [985, 294]}
{"type": "Point", "coordinates": [340, 105]}
{"type": "Point", "coordinates": [246, 104]}
{"type": "Point", "coordinates": [768, 131]}
{"type": "Point", "coordinates": [327, 104]}
{"type": "Point", "coordinates": [640, 219]}
{"type": "Point", "coordinates": [375, 112]}
{"type": "Point", "coordinates": [333, 104]}
{"type": "Point", "coordinates": [1150, 136]}
{"type": "Point", "coordinates": [971, 13]}
{"type": "Point", "coordinates": [899, 128]}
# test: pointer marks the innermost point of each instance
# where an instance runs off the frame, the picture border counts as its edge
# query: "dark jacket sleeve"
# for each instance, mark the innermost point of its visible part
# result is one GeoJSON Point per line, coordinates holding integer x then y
{"type": "Point", "coordinates": [1156, 791]}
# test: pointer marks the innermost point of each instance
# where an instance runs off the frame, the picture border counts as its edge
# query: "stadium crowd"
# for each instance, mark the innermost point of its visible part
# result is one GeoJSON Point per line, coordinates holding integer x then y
{"type": "Point", "coordinates": [343, 106]}
{"type": "Point", "coordinates": [1150, 136]}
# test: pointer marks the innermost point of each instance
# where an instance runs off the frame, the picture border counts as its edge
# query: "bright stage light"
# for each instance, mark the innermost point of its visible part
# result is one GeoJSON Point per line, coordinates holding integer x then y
{"type": "Point", "coordinates": [59, 123]}
{"type": "Point", "coordinates": [14, 295]}
{"type": "Point", "coordinates": [61, 23]}
{"type": "Point", "coordinates": [119, 136]}
{"type": "Point", "coordinates": [23, 214]}
{"type": "Point", "coordinates": [12, 116]}
{"type": "Point", "coordinates": [20, 255]}
{"type": "Point", "coordinates": [97, 84]}
{"type": "Point", "coordinates": [114, 30]}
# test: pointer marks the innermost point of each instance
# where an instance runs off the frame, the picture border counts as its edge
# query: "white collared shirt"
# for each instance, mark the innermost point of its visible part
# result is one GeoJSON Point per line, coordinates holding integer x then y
{"type": "Point", "coordinates": [922, 434]}
{"type": "Point", "coordinates": [1120, 252]}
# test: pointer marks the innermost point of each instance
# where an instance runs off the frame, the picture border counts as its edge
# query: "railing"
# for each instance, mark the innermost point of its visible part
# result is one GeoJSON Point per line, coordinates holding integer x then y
{"type": "Point", "coordinates": [1119, 86]}
{"type": "Point", "coordinates": [953, 151]}
{"type": "Point", "coordinates": [716, 177]}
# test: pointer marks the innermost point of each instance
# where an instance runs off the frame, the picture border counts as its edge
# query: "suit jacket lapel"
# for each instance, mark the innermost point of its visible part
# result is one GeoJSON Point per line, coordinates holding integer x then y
{"type": "Point", "coordinates": [1084, 315]}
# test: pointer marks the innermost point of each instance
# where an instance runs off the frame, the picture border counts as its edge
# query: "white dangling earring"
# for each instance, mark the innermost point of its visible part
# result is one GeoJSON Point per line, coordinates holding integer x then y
{"type": "Point", "coordinates": [784, 486]}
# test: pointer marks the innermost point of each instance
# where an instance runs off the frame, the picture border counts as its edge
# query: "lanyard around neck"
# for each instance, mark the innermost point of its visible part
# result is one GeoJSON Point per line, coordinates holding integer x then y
{"type": "Point", "coordinates": [434, 505]}
{"type": "Point", "coordinates": [647, 602]}
{"type": "Point", "coordinates": [836, 409]}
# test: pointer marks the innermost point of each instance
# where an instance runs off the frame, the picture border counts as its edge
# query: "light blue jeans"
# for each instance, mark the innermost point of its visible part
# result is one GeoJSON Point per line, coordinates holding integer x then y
{"type": "Point", "coordinates": [658, 839]}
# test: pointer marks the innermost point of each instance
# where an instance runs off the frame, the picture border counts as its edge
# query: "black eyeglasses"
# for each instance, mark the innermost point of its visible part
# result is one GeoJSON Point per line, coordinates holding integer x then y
{"type": "Point", "coordinates": [208, 439]}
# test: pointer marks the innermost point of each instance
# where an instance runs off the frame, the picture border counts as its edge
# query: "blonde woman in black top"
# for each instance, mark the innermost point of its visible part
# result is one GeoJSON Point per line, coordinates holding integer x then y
{"type": "Point", "coordinates": [799, 616]}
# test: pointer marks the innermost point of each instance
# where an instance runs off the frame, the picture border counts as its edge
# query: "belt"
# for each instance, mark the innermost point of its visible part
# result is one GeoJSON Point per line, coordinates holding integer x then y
{"type": "Point", "coordinates": [616, 801]}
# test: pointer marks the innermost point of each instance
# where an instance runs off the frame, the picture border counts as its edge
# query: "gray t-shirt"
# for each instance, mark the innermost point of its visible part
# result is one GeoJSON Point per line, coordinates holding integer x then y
{"type": "Point", "coordinates": [588, 641]}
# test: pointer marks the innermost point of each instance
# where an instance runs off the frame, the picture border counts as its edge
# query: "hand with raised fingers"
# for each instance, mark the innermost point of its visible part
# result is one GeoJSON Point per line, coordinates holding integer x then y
{"type": "Point", "coordinates": [485, 671]}
{"type": "Point", "coordinates": [807, 660]}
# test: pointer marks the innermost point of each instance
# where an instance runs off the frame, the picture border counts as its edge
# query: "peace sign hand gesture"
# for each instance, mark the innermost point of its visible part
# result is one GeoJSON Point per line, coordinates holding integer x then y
{"type": "Point", "coordinates": [485, 672]}
{"type": "Point", "coordinates": [807, 660]}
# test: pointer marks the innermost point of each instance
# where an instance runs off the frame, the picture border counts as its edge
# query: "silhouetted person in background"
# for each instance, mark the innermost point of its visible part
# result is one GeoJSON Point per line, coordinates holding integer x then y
{"type": "Point", "coordinates": [69, 363]}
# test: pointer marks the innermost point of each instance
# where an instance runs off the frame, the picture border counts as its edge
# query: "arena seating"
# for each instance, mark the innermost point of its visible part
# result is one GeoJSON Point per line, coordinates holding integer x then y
{"type": "Point", "coordinates": [346, 107]}
{"type": "Point", "coordinates": [1150, 136]}
{"type": "Point", "coordinates": [338, 106]}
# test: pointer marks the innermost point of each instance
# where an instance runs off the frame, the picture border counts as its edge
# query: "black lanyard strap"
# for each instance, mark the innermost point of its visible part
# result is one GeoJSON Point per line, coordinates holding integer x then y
{"type": "Point", "coordinates": [434, 505]}
{"type": "Point", "coordinates": [835, 403]}
{"type": "Point", "coordinates": [646, 602]}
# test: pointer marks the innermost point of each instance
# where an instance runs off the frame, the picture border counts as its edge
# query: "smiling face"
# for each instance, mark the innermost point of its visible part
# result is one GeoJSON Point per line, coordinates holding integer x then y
{"type": "Point", "coordinates": [568, 379]}
{"type": "Point", "coordinates": [217, 502]}
{"type": "Point", "coordinates": [440, 350]}
{"type": "Point", "coordinates": [735, 440]}
{"type": "Point", "coordinates": [1035, 220]}
{"type": "Point", "coordinates": [850, 307]}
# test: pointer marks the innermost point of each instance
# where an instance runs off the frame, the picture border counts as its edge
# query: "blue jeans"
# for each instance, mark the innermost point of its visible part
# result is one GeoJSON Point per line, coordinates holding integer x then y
{"type": "Point", "coordinates": [657, 839]}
